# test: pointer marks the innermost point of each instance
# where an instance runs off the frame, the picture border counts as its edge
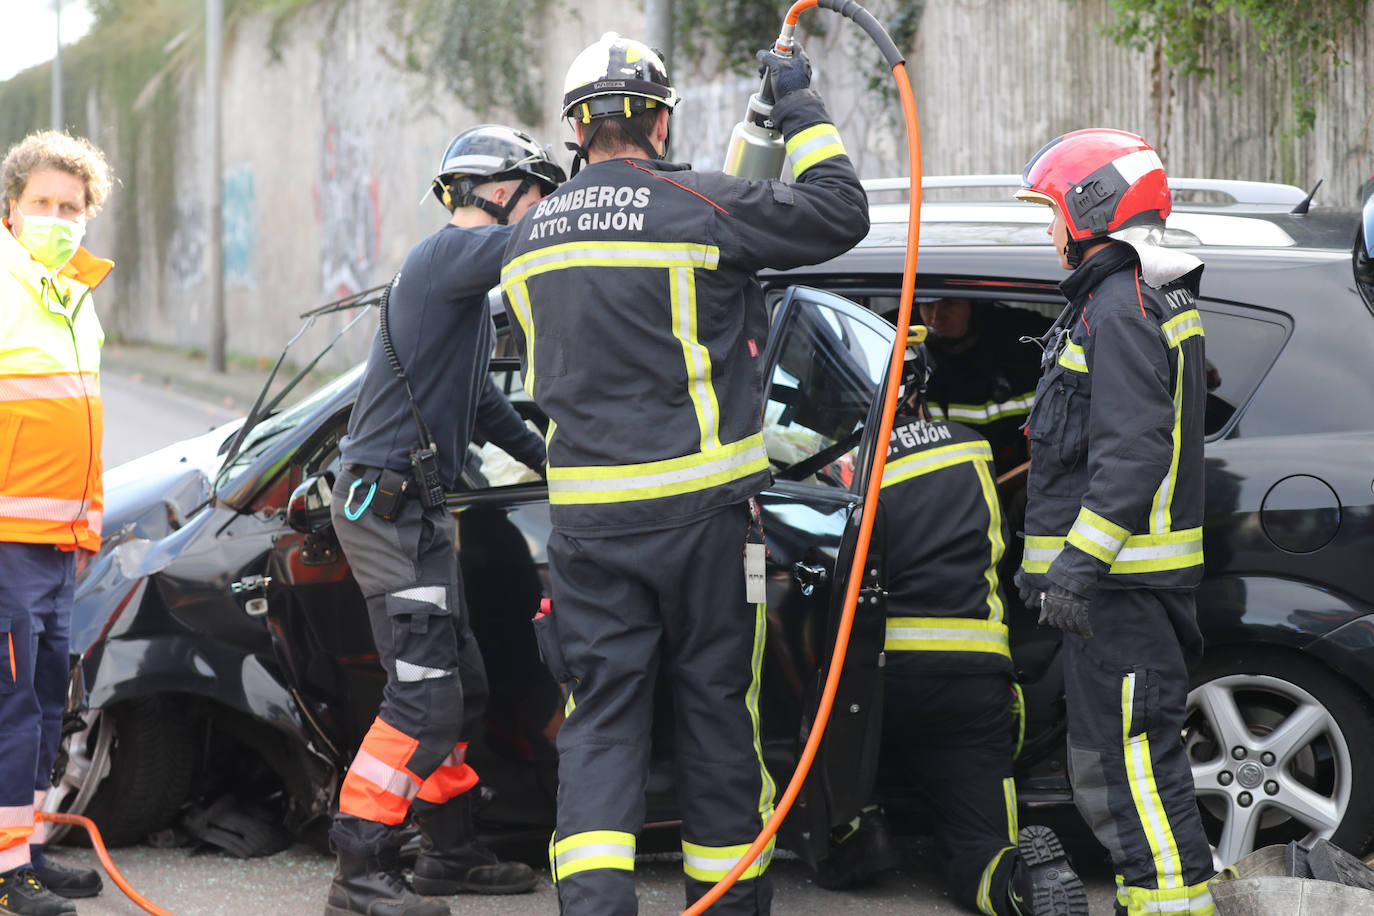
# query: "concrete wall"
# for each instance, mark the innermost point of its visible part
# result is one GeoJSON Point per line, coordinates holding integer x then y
{"type": "Point", "coordinates": [329, 147]}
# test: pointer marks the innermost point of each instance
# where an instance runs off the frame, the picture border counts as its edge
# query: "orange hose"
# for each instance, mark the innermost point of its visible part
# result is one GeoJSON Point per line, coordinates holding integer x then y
{"type": "Point", "coordinates": [894, 381]}
{"type": "Point", "coordinates": [89, 826]}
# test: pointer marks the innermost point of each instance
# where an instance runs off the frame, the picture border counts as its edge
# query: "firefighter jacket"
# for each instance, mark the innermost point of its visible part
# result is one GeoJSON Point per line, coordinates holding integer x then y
{"type": "Point", "coordinates": [641, 327]}
{"type": "Point", "coordinates": [1115, 491]}
{"type": "Point", "coordinates": [50, 410]}
{"type": "Point", "coordinates": [945, 537]}
{"type": "Point", "coordinates": [987, 378]}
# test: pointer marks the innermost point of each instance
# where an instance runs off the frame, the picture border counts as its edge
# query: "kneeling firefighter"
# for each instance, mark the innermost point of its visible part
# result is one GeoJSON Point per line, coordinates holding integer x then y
{"type": "Point", "coordinates": [425, 385]}
{"type": "Point", "coordinates": [949, 696]}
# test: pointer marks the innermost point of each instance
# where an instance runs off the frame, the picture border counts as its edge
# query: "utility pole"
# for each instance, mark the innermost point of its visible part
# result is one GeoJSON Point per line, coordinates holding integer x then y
{"type": "Point", "coordinates": [59, 121]}
{"type": "Point", "coordinates": [214, 50]}
{"type": "Point", "coordinates": [658, 29]}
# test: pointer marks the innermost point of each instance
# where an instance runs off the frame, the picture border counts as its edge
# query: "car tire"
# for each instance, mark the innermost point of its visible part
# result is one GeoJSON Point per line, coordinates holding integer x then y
{"type": "Point", "coordinates": [151, 765]}
{"type": "Point", "coordinates": [1278, 744]}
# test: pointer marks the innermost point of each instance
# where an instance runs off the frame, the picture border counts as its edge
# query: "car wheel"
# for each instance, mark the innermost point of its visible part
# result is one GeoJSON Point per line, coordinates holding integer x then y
{"type": "Point", "coordinates": [1273, 738]}
{"type": "Point", "coordinates": [129, 771]}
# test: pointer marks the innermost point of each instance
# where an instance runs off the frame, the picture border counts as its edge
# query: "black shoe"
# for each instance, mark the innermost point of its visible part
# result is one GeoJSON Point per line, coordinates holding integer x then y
{"type": "Point", "coordinates": [859, 855]}
{"type": "Point", "coordinates": [69, 882]}
{"type": "Point", "coordinates": [1044, 883]}
{"type": "Point", "coordinates": [22, 894]}
{"type": "Point", "coordinates": [452, 861]}
{"type": "Point", "coordinates": [372, 885]}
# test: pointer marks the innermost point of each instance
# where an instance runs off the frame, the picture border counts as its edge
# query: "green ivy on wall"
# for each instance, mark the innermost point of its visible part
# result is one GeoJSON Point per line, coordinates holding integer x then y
{"type": "Point", "coordinates": [487, 54]}
{"type": "Point", "coordinates": [1304, 36]}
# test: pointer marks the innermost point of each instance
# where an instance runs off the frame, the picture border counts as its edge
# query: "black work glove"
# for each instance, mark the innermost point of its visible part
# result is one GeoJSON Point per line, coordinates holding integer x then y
{"type": "Point", "coordinates": [1030, 595]}
{"type": "Point", "coordinates": [784, 74]}
{"type": "Point", "coordinates": [1064, 610]}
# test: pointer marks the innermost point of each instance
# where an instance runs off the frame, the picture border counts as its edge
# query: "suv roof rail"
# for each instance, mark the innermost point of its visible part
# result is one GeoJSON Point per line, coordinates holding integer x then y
{"type": "Point", "coordinates": [1264, 193]}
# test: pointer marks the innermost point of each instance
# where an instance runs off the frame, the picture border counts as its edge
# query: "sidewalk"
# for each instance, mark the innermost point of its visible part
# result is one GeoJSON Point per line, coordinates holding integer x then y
{"type": "Point", "coordinates": [189, 373]}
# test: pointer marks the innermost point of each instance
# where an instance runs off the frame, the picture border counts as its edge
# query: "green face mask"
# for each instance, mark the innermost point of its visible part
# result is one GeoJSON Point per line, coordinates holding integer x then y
{"type": "Point", "coordinates": [51, 240]}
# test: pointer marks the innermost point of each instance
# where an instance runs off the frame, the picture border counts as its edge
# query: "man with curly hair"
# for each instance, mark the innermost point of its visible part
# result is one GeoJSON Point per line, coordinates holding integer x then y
{"type": "Point", "coordinates": [50, 493]}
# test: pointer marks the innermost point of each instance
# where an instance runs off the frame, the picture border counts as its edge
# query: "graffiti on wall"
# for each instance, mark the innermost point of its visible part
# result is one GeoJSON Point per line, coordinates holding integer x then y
{"type": "Point", "coordinates": [349, 216]}
{"type": "Point", "coordinates": [238, 221]}
{"type": "Point", "coordinates": [186, 248]}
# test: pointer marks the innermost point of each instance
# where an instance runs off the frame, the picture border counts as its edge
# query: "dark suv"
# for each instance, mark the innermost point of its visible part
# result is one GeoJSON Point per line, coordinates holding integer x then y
{"type": "Point", "coordinates": [1281, 714]}
{"type": "Point", "coordinates": [223, 644]}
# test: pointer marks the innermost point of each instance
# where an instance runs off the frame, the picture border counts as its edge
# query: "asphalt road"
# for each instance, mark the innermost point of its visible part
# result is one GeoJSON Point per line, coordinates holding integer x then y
{"type": "Point", "coordinates": [295, 882]}
{"type": "Point", "coordinates": [144, 412]}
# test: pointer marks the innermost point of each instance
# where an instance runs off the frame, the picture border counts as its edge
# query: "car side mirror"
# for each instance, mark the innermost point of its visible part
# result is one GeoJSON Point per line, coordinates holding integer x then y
{"type": "Point", "coordinates": [308, 510]}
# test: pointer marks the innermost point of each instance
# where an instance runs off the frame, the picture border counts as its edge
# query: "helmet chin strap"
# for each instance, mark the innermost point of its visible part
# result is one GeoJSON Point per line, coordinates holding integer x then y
{"type": "Point", "coordinates": [1073, 253]}
{"type": "Point", "coordinates": [500, 213]}
{"type": "Point", "coordinates": [582, 152]}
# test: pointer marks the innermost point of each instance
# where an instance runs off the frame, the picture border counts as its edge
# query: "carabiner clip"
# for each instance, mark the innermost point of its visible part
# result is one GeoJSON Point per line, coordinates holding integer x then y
{"type": "Point", "coordinates": [367, 501]}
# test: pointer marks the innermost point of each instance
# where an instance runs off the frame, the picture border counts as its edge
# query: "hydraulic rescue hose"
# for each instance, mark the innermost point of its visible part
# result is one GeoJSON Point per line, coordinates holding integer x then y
{"type": "Point", "coordinates": [875, 30]}
{"type": "Point", "coordinates": [89, 826]}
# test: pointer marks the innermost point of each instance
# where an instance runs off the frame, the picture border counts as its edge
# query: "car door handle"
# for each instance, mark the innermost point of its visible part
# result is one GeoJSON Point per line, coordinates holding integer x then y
{"type": "Point", "coordinates": [809, 576]}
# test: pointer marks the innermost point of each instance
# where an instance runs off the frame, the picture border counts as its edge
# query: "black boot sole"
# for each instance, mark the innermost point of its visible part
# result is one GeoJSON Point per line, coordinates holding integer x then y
{"type": "Point", "coordinates": [1057, 890]}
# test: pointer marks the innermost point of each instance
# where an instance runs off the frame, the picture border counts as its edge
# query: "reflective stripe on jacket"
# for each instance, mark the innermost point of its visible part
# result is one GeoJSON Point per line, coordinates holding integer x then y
{"type": "Point", "coordinates": [50, 409]}
{"type": "Point", "coordinates": [641, 328]}
{"type": "Point", "coordinates": [1115, 490]}
{"type": "Point", "coordinates": [945, 537]}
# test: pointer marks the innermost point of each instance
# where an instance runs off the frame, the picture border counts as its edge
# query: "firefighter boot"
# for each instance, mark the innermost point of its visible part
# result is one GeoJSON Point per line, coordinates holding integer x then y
{"type": "Point", "coordinates": [1043, 883]}
{"type": "Point", "coordinates": [70, 882]}
{"type": "Point", "coordinates": [859, 853]}
{"type": "Point", "coordinates": [452, 860]}
{"type": "Point", "coordinates": [371, 883]}
{"type": "Point", "coordinates": [22, 894]}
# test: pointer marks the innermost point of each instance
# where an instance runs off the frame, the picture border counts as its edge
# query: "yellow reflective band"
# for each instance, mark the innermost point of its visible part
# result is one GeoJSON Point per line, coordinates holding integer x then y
{"type": "Point", "coordinates": [1161, 507]}
{"type": "Point", "coordinates": [48, 387]}
{"type": "Point", "coordinates": [946, 634]}
{"type": "Point", "coordinates": [1149, 808]}
{"type": "Point", "coordinates": [996, 545]}
{"type": "Point", "coordinates": [985, 904]}
{"type": "Point", "coordinates": [657, 479]}
{"type": "Point", "coordinates": [518, 295]}
{"type": "Point", "coordinates": [608, 254]}
{"type": "Point", "coordinates": [990, 412]}
{"type": "Point", "coordinates": [711, 863]}
{"type": "Point", "coordinates": [1009, 794]}
{"type": "Point", "coordinates": [1182, 326]}
{"type": "Point", "coordinates": [1097, 536]}
{"type": "Point", "coordinates": [1142, 552]}
{"type": "Point", "coordinates": [813, 145]}
{"type": "Point", "coordinates": [1073, 357]}
{"type": "Point", "coordinates": [626, 99]}
{"type": "Point", "coordinates": [914, 465]}
{"type": "Point", "coordinates": [696, 357]}
{"type": "Point", "coordinates": [592, 850]}
{"type": "Point", "coordinates": [1195, 900]}
{"type": "Point", "coordinates": [569, 706]}
{"type": "Point", "coordinates": [586, 114]}
{"type": "Point", "coordinates": [751, 701]}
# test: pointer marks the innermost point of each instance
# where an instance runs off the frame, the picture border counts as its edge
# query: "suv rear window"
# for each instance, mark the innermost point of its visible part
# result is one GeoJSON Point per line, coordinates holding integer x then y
{"type": "Point", "coordinates": [1240, 350]}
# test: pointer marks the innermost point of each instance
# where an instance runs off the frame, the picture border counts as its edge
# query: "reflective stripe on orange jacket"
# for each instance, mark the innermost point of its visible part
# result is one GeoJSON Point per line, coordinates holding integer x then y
{"type": "Point", "coordinates": [50, 410]}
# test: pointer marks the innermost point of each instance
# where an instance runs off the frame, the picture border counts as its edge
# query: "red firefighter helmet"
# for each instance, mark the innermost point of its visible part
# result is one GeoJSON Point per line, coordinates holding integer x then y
{"type": "Point", "coordinates": [1101, 180]}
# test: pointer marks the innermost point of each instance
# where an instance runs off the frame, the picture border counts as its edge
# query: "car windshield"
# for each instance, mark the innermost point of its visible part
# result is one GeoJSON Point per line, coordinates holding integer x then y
{"type": "Point", "coordinates": [267, 429]}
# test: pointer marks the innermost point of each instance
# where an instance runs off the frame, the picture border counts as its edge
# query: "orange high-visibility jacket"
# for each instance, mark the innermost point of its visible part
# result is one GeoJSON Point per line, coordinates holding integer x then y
{"type": "Point", "coordinates": [50, 410]}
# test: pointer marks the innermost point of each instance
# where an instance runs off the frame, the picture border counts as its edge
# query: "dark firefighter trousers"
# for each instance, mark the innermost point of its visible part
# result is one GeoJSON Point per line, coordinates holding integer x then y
{"type": "Point", "coordinates": [35, 619]}
{"type": "Point", "coordinates": [951, 737]}
{"type": "Point", "coordinates": [436, 684]}
{"type": "Point", "coordinates": [624, 609]}
{"type": "Point", "coordinates": [1126, 690]}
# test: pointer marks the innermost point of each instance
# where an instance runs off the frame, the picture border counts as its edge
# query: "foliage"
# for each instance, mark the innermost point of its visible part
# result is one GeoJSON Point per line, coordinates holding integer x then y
{"type": "Point", "coordinates": [1303, 36]}
{"type": "Point", "coordinates": [486, 53]}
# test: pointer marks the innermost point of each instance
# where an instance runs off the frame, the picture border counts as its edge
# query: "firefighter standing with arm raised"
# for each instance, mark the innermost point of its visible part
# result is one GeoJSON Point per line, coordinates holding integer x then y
{"type": "Point", "coordinates": [1114, 508]}
{"type": "Point", "coordinates": [425, 385]}
{"type": "Point", "coordinates": [50, 491]}
{"type": "Point", "coordinates": [642, 329]}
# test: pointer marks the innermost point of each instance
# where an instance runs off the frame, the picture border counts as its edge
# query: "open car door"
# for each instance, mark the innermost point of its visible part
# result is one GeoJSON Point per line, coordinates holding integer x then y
{"type": "Point", "coordinates": [826, 367]}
